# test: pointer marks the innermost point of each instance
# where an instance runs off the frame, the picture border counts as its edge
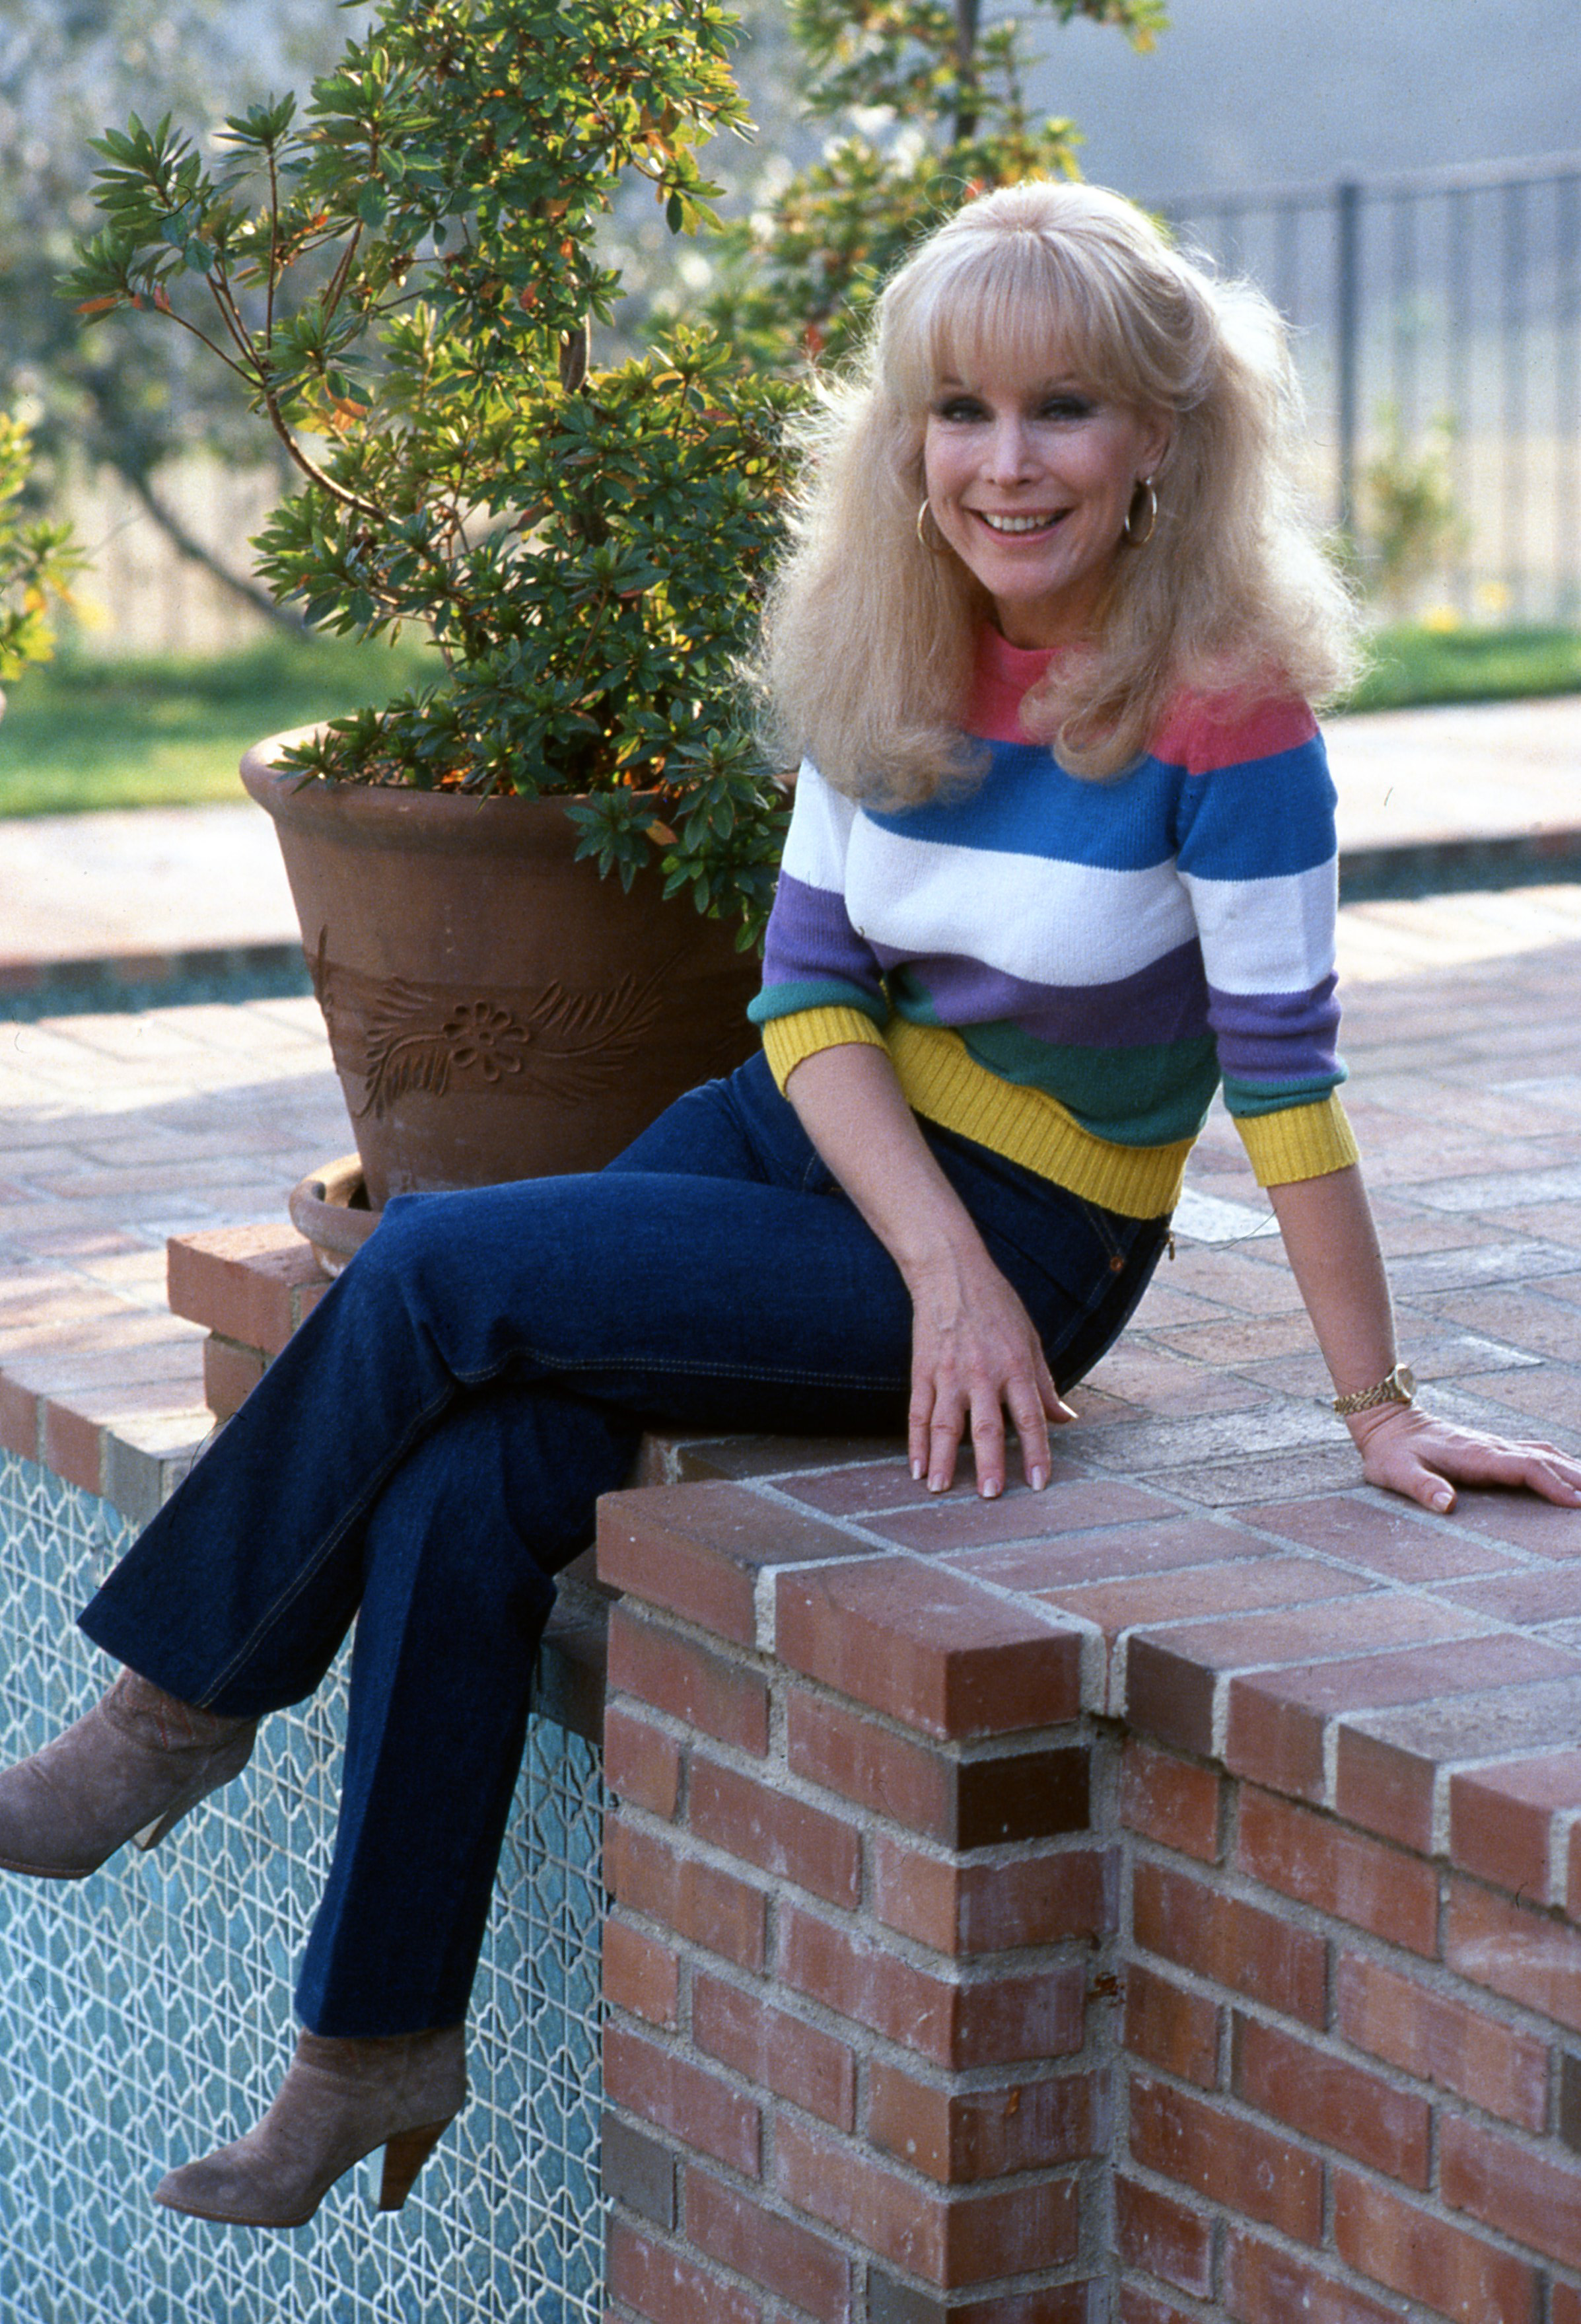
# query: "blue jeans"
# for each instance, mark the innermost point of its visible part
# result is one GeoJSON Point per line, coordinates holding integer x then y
{"type": "Point", "coordinates": [427, 1452]}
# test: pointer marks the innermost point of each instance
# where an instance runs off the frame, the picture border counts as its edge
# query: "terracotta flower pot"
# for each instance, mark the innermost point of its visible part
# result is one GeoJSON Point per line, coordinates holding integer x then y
{"type": "Point", "coordinates": [495, 1010]}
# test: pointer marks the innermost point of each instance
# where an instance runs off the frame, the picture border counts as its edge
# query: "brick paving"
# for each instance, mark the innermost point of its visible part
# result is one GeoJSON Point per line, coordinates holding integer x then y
{"type": "Point", "coordinates": [115, 1132]}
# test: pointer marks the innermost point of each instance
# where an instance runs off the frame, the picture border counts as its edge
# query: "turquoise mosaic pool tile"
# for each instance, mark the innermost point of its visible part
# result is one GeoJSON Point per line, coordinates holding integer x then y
{"type": "Point", "coordinates": [144, 2015]}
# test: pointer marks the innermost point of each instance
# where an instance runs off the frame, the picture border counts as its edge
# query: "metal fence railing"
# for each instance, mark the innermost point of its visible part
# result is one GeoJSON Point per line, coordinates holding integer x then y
{"type": "Point", "coordinates": [1439, 305]}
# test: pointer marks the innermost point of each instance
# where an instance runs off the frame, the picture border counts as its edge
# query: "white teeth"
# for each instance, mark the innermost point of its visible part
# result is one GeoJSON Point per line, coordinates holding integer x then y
{"type": "Point", "coordinates": [1014, 523]}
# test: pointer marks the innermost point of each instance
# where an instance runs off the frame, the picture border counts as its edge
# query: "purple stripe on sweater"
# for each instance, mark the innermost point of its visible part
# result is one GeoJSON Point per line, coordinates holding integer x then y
{"type": "Point", "coordinates": [1271, 1036]}
{"type": "Point", "coordinates": [810, 937]}
{"type": "Point", "coordinates": [1166, 1002]}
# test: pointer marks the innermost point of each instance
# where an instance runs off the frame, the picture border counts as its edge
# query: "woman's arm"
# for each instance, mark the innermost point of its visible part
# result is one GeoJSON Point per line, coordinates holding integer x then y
{"type": "Point", "coordinates": [1332, 1246]}
{"type": "Point", "coordinates": [974, 1351]}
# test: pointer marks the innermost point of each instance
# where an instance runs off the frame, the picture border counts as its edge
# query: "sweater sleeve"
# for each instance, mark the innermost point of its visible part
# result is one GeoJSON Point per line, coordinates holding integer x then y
{"type": "Point", "coordinates": [822, 984]}
{"type": "Point", "coordinates": [1257, 855]}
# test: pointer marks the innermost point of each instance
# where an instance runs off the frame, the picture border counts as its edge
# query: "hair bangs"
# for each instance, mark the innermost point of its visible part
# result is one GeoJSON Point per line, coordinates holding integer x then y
{"type": "Point", "coordinates": [1005, 305]}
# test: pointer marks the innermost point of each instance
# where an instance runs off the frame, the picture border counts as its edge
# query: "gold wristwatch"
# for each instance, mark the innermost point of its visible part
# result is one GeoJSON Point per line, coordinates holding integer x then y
{"type": "Point", "coordinates": [1398, 1386]}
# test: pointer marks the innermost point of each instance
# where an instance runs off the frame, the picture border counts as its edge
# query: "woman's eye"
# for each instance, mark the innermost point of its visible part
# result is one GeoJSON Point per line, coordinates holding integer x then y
{"type": "Point", "coordinates": [959, 408]}
{"type": "Point", "coordinates": [1067, 406]}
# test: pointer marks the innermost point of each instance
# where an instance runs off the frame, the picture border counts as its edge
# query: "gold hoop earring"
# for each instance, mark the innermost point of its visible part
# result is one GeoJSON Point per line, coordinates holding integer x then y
{"type": "Point", "coordinates": [1131, 538]}
{"type": "Point", "coordinates": [932, 540]}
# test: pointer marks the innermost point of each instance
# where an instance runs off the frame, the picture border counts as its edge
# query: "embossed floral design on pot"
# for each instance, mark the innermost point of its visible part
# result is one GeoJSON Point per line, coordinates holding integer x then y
{"type": "Point", "coordinates": [495, 1009]}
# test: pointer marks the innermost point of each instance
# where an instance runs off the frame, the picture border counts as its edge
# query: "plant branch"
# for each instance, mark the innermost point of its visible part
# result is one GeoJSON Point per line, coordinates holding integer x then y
{"type": "Point", "coordinates": [199, 333]}
{"type": "Point", "coordinates": [273, 246]}
{"type": "Point", "coordinates": [230, 315]}
{"type": "Point", "coordinates": [342, 274]}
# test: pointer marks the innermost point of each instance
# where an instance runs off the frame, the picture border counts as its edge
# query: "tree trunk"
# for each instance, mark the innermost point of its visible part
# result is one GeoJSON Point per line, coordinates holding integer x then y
{"type": "Point", "coordinates": [187, 545]}
{"type": "Point", "coordinates": [967, 14]}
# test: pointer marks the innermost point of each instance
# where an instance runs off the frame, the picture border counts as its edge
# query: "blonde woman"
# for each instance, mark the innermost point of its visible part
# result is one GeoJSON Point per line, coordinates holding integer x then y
{"type": "Point", "coordinates": [1062, 863]}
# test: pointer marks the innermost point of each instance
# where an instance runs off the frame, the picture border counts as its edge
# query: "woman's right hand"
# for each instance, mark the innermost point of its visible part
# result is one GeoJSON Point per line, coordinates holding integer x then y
{"type": "Point", "coordinates": [974, 1353]}
{"type": "Point", "coordinates": [975, 1356]}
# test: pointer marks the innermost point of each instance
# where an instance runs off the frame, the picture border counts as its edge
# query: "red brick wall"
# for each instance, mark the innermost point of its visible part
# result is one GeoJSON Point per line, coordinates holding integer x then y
{"type": "Point", "coordinates": [934, 1995]}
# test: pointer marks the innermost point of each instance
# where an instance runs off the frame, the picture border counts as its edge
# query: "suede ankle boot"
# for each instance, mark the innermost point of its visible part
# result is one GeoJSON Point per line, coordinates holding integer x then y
{"type": "Point", "coordinates": [128, 1770]}
{"type": "Point", "coordinates": [341, 2099]}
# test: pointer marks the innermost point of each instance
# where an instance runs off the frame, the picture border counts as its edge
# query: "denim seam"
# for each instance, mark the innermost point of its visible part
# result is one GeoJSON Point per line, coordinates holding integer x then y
{"type": "Point", "coordinates": [776, 1376]}
{"type": "Point", "coordinates": [1116, 1285]}
{"type": "Point", "coordinates": [314, 1566]}
{"type": "Point", "coordinates": [1104, 1287]}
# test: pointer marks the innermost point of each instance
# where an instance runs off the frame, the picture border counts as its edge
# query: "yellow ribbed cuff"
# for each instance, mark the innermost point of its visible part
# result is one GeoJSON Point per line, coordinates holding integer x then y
{"type": "Point", "coordinates": [786, 1040]}
{"type": "Point", "coordinates": [1304, 1141]}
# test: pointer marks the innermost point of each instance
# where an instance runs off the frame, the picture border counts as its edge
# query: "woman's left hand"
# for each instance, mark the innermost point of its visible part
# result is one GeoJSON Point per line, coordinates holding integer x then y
{"type": "Point", "coordinates": [1407, 1451]}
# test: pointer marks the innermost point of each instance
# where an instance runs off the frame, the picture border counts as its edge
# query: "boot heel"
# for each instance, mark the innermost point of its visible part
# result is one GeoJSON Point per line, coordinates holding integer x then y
{"type": "Point", "coordinates": [153, 1834]}
{"type": "Point", "coordinates": [404, 2156]}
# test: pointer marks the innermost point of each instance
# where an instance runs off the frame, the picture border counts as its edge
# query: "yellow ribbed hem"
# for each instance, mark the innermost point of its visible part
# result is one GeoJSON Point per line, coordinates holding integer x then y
{"type": "Point", "coordinates": [786, 1040]}
{"type": "Point", "coordinates": [1304, 1141]}
{"type": "Point", "coordinates": [944, 1082]}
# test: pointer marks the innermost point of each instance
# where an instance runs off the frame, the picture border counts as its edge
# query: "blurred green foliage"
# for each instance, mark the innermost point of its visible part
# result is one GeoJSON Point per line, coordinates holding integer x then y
{"type": "Point", "coordinates": [37, 560]}
{"type": "Point", "coordinates": [923, 103]}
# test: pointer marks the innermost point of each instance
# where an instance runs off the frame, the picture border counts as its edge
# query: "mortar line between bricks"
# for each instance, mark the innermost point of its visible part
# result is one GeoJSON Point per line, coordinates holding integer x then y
{"type": "Point", "coordinates": [1230, 2106]}
{"type": "Point", "coordinates": [961, 1974]}
{"type": "Point", "coordinates": [1103, 2044]}
{"type": "Point", "coordinates": [1434, 1974]}
{"type": "Point", "coordinates": [1322, 2259]}
{"type": "Point", "coordinates": [1177, 1500]}
{"type": "Point", "coordinates": [1508, 1556]}
{"type": "Point", "coordinates": [1471, 2224]}
{"type": "Point", "coordinates": [959, 1749]}
{"type": "Point", "coordinates": [1115, 1656]}
{"type": "Point", "coordinates": [677, 2042]}
{"type": "Point", "coordinates": [772, 1772]}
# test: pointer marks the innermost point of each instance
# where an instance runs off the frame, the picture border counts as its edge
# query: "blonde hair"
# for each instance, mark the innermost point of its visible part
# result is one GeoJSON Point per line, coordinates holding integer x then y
{"type": "Point", "coordinates": [869, 638]}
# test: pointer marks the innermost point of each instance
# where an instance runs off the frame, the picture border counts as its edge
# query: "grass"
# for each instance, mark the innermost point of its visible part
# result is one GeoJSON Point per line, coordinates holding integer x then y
{"type": "Point", "coordinates": [1411, 666]}
{"type": "Point", "coordinates": [170, 732]}
{"type": "Point", "coordinates": [85, 733]}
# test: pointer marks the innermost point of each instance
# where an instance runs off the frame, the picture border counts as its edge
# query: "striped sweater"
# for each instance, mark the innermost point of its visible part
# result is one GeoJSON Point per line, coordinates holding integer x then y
{"type": "Point", "coordinates": [1064, 970]}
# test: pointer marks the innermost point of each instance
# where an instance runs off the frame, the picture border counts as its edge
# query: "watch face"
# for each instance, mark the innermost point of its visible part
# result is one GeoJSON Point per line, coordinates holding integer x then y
{"type": "Point", "coordinates": [1406, 1380]}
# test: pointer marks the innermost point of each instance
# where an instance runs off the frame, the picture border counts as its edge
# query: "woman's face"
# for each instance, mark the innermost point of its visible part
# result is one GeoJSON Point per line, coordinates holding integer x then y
{"type": "Point", "coordinates": [1030, 476]}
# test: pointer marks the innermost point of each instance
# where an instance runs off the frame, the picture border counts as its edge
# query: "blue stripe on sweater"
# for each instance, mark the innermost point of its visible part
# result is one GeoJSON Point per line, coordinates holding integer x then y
{"type": "Point", "coordinates": [1027, 804]}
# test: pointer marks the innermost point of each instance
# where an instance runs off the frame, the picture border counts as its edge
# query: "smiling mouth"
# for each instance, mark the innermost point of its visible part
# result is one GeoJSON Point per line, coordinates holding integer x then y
{"type": "Point", "coordinates": [1040, 523]}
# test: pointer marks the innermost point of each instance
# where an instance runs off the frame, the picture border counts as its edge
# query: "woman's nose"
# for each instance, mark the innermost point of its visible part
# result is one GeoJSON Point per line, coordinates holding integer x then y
{"type": "Point", "coordinates": [1009, 452]}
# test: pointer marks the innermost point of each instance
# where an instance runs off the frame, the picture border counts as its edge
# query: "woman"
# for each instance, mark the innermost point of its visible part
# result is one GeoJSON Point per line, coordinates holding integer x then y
{"type": "Point", "coordinates": [1000, 989]}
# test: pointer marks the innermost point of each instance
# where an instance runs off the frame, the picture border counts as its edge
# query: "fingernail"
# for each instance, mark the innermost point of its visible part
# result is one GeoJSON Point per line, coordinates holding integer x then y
{"type": "Point", "coordinates": [916, 1472]}
{"type": "Point", "coordinates": [1443, 1500]}
{"type": "Point", "coordinates": [935, 1484]}
{"type": "Point", "coordinates": [1038, 1480]}
{"type": "Point", "coordinates": [989, 1491]}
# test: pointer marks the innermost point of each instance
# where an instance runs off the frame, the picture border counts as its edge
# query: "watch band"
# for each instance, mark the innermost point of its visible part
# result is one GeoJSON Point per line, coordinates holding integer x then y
{"type": "Point", "coordinates": [1396, 1387]}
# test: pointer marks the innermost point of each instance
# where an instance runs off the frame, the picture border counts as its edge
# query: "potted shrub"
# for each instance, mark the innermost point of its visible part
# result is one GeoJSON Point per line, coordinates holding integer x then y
{"type": "Point", "coordinates": [404, 277]}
